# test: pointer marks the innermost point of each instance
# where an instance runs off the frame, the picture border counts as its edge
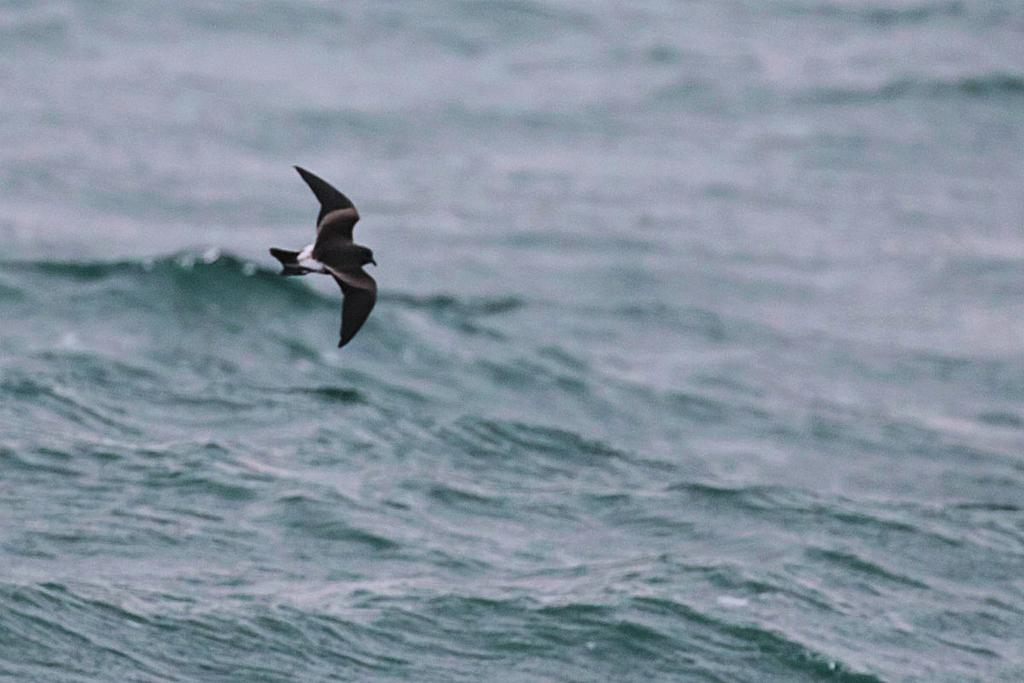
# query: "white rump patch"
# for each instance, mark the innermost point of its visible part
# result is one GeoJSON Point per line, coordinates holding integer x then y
{"type": "Point", "coordinates": [306, 260]}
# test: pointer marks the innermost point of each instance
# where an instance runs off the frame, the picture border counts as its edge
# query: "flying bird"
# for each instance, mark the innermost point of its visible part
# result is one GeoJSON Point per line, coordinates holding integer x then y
{"type": "Point", "coordinates": [334, 253]}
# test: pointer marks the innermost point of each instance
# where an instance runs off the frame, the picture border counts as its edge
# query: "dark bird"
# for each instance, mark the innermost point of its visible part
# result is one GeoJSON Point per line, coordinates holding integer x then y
{"type": "Point", "coordinates": [334, 253]}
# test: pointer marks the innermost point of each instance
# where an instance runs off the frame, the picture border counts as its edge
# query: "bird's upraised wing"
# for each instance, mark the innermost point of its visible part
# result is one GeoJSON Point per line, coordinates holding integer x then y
{"type": "Point", "coordinates": [360, 293]}
{"type": "Point", "coordinates": [338, 215]}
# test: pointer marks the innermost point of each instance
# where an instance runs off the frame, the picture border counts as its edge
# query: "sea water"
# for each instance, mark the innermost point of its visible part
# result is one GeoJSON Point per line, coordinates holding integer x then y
{"type": "Point", "coordinates": [698, 355]}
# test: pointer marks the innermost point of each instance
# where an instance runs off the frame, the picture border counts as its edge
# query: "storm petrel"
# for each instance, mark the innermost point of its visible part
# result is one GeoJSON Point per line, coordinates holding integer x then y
{"type": "Point", "coordinates": [334, 253]}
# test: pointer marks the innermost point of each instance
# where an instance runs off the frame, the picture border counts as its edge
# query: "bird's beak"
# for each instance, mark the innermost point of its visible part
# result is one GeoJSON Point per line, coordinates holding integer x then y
{"type": "Point", "coordinates": [373, 262]}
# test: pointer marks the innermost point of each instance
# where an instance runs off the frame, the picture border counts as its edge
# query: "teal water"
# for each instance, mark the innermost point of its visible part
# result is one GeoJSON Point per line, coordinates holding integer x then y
{"type": "Point", "coordinates": [699, 354]}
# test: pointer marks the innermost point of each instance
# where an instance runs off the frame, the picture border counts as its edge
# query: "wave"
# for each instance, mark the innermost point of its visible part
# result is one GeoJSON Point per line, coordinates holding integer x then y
{"type": "Point", "coordinates": [77, 631]}
{"type": "Point", "coordinates": [638, 637]}
{"type": "Point", "coordinates": [503, 438]}
{"type": "Point", "coordinates": [780, 649]}
{"type": "Point", "coordinates": [997, 86]}
{"type": "Point", "coordinates": [326, 521]}
{"type": "Point", "coordinates": [212, 277]}
{"type": "Point", "coordinates": [984, 86]}
{"type": "Point", "coordinates": [199, 277]}
{"type": "Point", "coordinates": [854, 564]}
{"type": "Point", "coordinates": [881, 15]}
{"type": "Point", "coordinates": [445, 302]}
{"type": "Point", "coordinates": [331, 394]}
{"type": "Point", "coordinates": [65, 403]}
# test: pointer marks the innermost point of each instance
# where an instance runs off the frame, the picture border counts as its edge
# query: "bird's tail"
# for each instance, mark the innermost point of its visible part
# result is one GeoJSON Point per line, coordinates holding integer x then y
{"type": "Point", "coordinates": [289, 261]}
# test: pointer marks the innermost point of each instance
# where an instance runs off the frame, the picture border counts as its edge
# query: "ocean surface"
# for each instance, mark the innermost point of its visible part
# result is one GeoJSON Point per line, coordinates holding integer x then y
{"type": "Point", "coordinates": [699, 351]}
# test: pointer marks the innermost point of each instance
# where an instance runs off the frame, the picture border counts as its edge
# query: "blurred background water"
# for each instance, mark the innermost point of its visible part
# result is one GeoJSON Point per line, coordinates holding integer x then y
{"type": "Point", "coordinates": [699, 354]}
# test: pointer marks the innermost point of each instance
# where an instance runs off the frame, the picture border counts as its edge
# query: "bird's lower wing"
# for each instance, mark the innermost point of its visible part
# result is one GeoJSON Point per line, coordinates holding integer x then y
{"type": "Point", "coordinates": [360, 294]}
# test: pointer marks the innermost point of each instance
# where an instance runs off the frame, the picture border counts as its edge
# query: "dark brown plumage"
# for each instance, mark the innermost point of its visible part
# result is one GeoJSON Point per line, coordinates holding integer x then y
{"type": "Point", "coordinates": [334, 253]}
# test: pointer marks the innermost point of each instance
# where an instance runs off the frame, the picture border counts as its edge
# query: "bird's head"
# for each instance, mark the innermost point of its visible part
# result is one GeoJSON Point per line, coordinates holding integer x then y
{"type": "Point", "coordinates": [367, 255]}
